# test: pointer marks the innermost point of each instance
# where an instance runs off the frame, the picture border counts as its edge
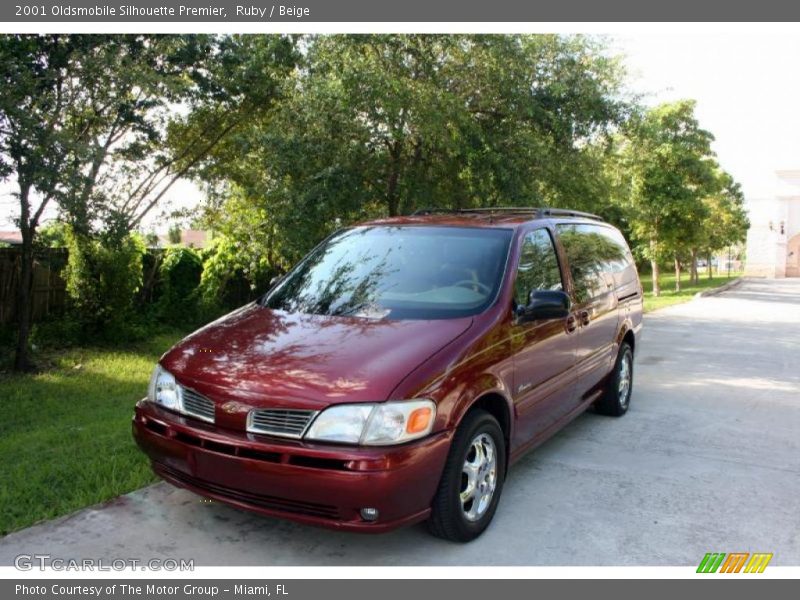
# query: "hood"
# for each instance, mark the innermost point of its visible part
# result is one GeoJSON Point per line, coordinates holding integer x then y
{"type": "Point", "coordinates": [265, 357]}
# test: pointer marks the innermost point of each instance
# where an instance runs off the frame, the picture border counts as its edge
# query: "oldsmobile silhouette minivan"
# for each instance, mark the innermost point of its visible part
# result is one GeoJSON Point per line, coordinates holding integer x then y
{"type": "Point", "coordinates": [400, 368]}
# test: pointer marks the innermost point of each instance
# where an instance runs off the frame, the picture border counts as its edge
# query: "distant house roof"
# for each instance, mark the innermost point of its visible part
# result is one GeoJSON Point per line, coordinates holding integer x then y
{"type": "Point", "coordinates": [194, 238]}
{"type": "Point", "coordinates": [13, 237]}
{"type": "Point", "coordinates": [191, 238]}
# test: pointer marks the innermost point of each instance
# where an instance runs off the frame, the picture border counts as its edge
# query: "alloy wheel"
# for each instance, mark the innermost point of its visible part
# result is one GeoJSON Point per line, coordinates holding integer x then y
{"type": "Point", "coordinates": [478, 477]}
{"type": "Point", "coordinates": [624, 379]}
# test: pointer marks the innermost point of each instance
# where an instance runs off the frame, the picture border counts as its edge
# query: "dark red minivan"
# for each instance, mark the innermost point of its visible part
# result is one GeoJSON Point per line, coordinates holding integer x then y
{"type": "Point", "coordinates": [399, 369]}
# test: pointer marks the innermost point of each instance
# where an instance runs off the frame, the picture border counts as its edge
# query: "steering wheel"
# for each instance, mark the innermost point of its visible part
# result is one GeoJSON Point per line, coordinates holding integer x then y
{"type": "Point", "coordinates": [471, 283]}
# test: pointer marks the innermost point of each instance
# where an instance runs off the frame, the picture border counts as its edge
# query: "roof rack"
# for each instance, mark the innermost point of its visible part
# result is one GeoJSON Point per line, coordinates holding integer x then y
{"type": "Point", "coordinates": [566, 212]}
{"type": "Point", "coordinates": [433, 211]}
{"type": "Point", "coordinates": [537, 211]}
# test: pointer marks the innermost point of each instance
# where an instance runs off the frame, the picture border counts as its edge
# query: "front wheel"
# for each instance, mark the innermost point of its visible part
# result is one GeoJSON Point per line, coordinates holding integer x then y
{"type": "Point", "coordinates": [472, 480]}
{"type": "Point", "coordinates": [617, 396]}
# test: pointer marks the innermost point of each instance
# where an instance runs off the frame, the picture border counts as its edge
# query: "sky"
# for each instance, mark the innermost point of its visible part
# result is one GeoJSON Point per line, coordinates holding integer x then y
{"type": "Point", "coordinates": [747, 90]}
{"type": "Point", "coordinates": [746, 86]}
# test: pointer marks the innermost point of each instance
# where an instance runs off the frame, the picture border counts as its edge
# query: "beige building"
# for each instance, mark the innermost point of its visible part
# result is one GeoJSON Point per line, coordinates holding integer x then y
{"type": "Point", "coordinates": [773, 241]}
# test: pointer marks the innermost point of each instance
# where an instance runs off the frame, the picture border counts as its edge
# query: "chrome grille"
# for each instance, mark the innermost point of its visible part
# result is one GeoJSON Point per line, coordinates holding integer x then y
{"type": "Point", "coordinates": [282, 422]}
{"type": "Point", "coordinates": [197, 405]}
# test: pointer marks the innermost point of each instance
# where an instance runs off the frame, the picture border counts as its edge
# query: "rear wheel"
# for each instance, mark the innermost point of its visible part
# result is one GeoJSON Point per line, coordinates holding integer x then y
{"type": "Point", "coordinates": [617, 396]}
{"type": "Point", "coordinates": [472, 480]}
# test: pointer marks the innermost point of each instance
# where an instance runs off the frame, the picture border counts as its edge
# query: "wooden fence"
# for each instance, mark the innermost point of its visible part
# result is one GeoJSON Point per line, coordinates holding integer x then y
{"type": "Point", "coordinates": [48, 295]}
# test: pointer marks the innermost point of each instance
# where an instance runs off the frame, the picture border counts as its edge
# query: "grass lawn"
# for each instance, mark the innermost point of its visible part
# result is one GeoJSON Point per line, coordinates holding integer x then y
{"type": "Point", "coordinates": [65, 436]}
{"type": "Point", "coordinates": [669, 296]}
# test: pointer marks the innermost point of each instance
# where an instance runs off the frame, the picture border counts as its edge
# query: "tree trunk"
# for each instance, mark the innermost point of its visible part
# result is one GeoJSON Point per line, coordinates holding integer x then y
{"type": "Point", "coordinates": [392, 196]}
{"type": "Point", "coordinates": [710, 267]}
{"type": "Point", "coordinates": [693, 268]}
{"type": "Point", "coordinates": [393, 203]}
{"type": "Point", "coordinates": [677, 275]}
{"type": "Point", "coordinates": [656, 287]}
{"type": "Point", "coordinates": [21, 358]}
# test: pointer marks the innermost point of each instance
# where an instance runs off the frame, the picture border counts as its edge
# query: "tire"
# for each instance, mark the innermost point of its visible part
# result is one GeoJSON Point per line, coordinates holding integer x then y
{"type": "Point", "coordinates": [617, 396]}
{"type": "Point", "coordinates": [458, 521]}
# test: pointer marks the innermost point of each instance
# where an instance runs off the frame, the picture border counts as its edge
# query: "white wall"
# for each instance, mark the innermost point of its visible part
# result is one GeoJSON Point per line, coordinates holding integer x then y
{"type": "Point", "coordinates": [766, 248]}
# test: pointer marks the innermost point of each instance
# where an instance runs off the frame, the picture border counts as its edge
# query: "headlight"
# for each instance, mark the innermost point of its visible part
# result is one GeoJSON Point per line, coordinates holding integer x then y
{"type": "Point", "coordinates": [374, 424]}
{"type": "Point", "coordinates": [164, 390]}
{"type": "Point", "coordinates": [396, 422]}
{"type": "Point", "coordinates": [344, 423]}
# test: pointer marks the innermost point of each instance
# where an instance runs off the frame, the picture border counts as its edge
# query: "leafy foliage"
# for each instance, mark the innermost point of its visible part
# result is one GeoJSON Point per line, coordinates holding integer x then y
{"type": "Point", "coordinates": [385, 124]}
{"type": "Point", "coordinates": [104, 125]}
{"type": "Point", "coordinates": [726, 221]}
{"type": "Point", "coordinates": [672, 187]}
{"type": "Point", "coordinates": [53, 235]}
{"type": "Point", "coordinates": [102, 282]}
{"type": "Point", "coordinates": [670, 167]}
{"type": "Point", "coordinates": [179, 277]}
{"type": "Point", "coordinates": [234, 270]}
{"type": "Point", "coordinates": [296, 136]}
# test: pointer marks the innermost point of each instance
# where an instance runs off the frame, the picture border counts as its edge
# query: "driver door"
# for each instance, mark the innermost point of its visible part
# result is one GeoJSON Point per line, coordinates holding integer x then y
{"type": "Point", "coordinates": [545, 350]}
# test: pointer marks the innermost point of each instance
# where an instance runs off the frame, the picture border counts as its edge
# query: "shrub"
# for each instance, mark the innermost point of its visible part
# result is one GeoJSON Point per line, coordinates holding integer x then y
{"type": "Point", "coordinates": [232, 275]}
{"type": "Point", "coordinates": [102, 279]}
{"type": "Point", "coordinates": [179, 277]}
{"type": "Point", "coordinates": [62, 331]}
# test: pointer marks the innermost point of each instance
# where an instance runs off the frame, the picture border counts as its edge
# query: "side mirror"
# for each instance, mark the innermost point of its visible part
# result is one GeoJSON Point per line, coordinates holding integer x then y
{"type": "Point", "coordinates": [544, 304]}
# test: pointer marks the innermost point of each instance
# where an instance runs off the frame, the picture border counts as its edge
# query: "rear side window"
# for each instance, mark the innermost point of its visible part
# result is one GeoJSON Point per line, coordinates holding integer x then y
{"type": "Point", "coordinates": [538, 266]}
{"type": "Point", "coordinates": [595, 253]}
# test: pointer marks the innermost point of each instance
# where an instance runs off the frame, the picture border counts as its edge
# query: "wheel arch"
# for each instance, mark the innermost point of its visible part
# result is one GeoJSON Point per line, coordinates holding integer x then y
{"type": "Point", "coordinates": [630, 339]}
{"type": "Point", "coordinates": [497, 404]}
{"type": "Point", "coordinates": [626, 334]}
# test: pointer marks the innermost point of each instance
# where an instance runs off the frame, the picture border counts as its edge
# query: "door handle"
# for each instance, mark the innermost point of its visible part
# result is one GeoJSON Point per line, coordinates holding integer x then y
{"type": "Point", "coordinates": [571, 324]}
{"type": "Point", "coordinates": [584, 315]}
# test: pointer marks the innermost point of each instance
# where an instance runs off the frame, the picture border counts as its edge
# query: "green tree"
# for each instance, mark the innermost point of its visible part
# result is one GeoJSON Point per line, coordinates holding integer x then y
{"type": "Point", "coordinates": [382, 125]}
{"type": "Point", "coordinates": [38, 146]}
{"type": "Point", "coordinates": [668, 167]}
{"type": "Point", "coordinates": [174, 234]}
{"type": "Point", "coordinates": [102, 282]}
{"type": "Point", "coordinates": [179, 276]}
{"type": "Point", "coordinates": [726, 221]}
{"type": "Point", "coordinates": [245, 244]}
{"type": "Point", "coordinates": [52, 235]}
{"type": "Point", "coordinates": [104, 125]}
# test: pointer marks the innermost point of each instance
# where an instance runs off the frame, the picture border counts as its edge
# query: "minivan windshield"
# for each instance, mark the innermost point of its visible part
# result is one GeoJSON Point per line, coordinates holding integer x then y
{"type": "Point", "coordinates": [398, 272]}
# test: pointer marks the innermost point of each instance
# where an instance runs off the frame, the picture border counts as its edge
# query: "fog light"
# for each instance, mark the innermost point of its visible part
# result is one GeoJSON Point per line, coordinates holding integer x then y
{"type": "Point", "coordinates": [369, 514]}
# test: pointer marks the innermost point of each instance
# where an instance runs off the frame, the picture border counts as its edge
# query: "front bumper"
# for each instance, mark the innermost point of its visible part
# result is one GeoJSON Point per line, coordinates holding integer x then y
{"type": "Point", "coordinates": [319, 484]}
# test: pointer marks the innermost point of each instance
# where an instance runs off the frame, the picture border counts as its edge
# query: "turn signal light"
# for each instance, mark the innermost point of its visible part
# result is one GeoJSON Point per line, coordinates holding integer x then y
{"type": "Point", "coordinates": [418, 420]}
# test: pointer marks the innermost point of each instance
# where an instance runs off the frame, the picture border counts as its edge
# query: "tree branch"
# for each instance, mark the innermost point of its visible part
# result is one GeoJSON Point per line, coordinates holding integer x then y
{"type": "Point", "coordinates": [199, 156]}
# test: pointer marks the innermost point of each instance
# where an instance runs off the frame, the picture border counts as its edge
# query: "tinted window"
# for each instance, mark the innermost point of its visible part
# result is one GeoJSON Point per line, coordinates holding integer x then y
{"type": "Point", "coordinates": [593, 252]}
{"type": "Point", "coordinates": [625, 258]}
{"type": "Point", "coordinates": [398, 273]}
{"type": "Point", "coordinates": [538, 266]}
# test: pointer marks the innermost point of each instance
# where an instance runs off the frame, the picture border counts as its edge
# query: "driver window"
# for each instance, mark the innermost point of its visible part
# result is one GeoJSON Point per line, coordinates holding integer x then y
{"type": "Point", "coordinates": [538, 266]}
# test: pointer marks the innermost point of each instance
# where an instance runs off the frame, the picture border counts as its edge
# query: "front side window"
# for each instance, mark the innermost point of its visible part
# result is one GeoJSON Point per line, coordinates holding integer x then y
{"type": "Point", "coordinates": [538, 266]}
{"type": "Point", "coordinates": [398, 272]}
{"type": "Point", "coordinates": [594, 252]}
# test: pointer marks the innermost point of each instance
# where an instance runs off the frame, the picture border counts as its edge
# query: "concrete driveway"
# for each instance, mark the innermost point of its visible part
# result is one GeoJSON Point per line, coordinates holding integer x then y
{"type": "Point", "coordinates": [707, 459]}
